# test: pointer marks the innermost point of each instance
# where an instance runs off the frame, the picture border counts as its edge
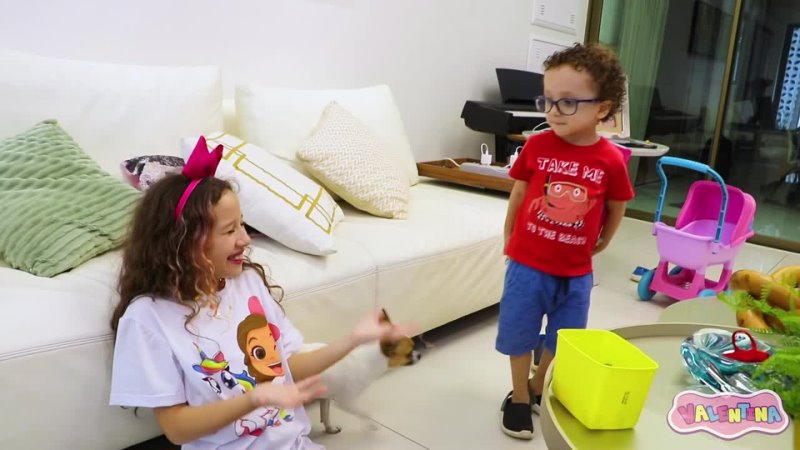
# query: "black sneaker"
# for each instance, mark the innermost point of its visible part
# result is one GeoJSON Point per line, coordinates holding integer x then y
{"type": "Point", "coordinates": [535, 402]}
{"type": "Point", "coordinates": [517, 421]}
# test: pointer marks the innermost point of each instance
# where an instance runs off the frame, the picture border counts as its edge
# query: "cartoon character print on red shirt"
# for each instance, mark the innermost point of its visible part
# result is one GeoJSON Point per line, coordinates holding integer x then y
{"type": "Point", "coordinates": [563, 209]}
{"type": "Point", "coordinates": [564, 203]}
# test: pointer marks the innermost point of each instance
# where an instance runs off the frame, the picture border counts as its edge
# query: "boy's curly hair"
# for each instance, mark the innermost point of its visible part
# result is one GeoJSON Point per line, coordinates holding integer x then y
{"type": "Point", "coordinates": [602, 64]}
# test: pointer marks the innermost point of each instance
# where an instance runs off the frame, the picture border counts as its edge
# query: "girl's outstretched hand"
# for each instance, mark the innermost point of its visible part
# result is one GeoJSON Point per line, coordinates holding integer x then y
{"type": "Point", "coordinates": [372, 328]}
{"type": "Point", "coordinates": [287, 395]}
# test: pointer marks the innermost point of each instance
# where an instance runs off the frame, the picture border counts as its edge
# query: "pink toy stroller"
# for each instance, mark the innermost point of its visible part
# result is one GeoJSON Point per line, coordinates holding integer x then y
{"type": "Point", "coordinates": [711, 228]}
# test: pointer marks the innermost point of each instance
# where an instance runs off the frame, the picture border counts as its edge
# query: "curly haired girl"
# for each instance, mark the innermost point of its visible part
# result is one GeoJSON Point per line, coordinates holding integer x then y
{"type": "Point", "coordinates": [200, 338]}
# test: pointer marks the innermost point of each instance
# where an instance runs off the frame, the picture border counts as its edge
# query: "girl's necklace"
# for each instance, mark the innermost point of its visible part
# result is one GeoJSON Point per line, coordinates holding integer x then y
{"type": "Point", "coordinates": [217, 312]}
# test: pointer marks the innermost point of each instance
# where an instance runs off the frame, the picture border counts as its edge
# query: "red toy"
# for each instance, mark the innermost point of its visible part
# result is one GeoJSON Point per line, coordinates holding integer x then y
{"type": "Point", "coordinates": [751, 355]}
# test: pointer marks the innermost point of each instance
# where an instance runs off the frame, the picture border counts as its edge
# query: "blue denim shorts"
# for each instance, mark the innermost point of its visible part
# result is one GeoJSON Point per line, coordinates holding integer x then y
{"type": "Point", "coordinates": [529, 295]}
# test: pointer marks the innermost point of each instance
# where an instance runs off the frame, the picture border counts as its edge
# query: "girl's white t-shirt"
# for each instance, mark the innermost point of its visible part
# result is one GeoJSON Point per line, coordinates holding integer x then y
{"type": "Point", "coordinates": [159, 360]}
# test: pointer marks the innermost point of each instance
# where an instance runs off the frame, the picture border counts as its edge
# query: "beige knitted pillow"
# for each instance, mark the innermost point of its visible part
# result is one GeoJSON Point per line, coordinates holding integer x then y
{"type": "Point", "coordinates": [351, 161]}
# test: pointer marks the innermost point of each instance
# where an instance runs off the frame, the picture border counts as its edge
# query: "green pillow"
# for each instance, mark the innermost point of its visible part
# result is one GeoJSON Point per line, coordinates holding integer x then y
{"type": "Point", "coordinates": [59, 208]}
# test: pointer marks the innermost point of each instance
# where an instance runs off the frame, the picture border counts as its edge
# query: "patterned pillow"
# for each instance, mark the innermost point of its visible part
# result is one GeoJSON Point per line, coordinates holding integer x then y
{"type": "Point", "coordinates": [66, 209]}
{"type": "Point", "coordinates": [355, 164]}
{"type": "Point", "coordinates": [143, 171]}
{"type": "Point", "coordinates": [276, 200]}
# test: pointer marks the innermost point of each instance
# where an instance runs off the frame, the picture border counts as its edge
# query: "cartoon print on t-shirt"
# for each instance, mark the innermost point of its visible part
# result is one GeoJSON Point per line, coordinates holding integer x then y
{"type": "Point", "coordinates": [254, 423]}
{"type": "Point", "coordinates": [218, 365]}
{"type": "Point", "coordinates": [258, 340]}
{"type": "Point", "coordinates": [564, 203]}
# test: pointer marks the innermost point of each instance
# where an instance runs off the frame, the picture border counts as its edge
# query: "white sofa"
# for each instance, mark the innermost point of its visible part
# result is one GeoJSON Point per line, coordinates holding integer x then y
{"type": "Point", "coordinates": [443, 262]}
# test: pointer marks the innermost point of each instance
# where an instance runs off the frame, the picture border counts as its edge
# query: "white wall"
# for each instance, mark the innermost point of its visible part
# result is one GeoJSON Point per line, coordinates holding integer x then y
{"type": "Point", "coordinates": [434, 54]}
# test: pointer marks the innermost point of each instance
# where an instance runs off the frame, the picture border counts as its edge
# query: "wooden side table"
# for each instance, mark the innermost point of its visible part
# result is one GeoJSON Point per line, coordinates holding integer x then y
{"type": "Point", "coordinates": [448, 170]}
{"type": "Point", "coordinates": [521, 138]}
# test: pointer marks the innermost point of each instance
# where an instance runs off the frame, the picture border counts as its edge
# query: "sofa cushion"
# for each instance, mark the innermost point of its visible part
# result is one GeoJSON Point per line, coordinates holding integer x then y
{"type": "Point", "coordinates": [276, 200]}
{"type": "Point", "coordinates": [444, 261]}
{"type": "Point", "coordinates": [70, 307]}
{"type": "Point", "coordinates": [63, 322]}
{"type": "Point", "coordinates": [66, 210]}
{"type": "Point", "coordinates": [278, 120]}
{"type": "Point", "coordinates": [441, 219]}
{"type": "Point", "coordinates": [353, 163]}
{"type": "Point", "coordinates": [114, 111]}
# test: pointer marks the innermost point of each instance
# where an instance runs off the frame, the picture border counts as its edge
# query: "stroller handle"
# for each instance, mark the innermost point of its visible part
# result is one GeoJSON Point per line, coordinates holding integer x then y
{"type": "Point", "coordinates": [685, 163]}
{"type": "Point", "coordinates": [698, 167]}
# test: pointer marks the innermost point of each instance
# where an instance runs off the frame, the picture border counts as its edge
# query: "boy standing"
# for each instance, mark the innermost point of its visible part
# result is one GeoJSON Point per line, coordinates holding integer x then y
{"type": "Point", "coordinates": [567, 202]}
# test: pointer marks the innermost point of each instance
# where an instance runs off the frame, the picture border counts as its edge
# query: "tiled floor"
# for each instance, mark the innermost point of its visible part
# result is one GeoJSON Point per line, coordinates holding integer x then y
{"type": "Point", "coordinates": [451, 398]}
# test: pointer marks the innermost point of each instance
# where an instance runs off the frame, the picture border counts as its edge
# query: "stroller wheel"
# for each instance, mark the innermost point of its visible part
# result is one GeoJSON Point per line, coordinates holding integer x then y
{"type": "Point", "coordinates": [675, 270]}
{"type": "Point", "coordinates": [644, 291]}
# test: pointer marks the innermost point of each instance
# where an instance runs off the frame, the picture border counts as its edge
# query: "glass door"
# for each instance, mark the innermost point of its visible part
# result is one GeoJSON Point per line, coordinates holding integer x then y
{"type": "Point", "coordinates": [674, 52]}
{"type": "Point", "coordinates": [758, 148]}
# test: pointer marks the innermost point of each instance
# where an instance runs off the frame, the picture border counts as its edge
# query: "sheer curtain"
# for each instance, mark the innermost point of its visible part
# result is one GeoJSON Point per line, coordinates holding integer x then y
{"type": "Point", "coordinates": [635, 29]}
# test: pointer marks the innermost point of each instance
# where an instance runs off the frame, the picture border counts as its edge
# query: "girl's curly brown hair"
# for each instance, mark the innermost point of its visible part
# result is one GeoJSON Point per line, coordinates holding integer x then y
{"type": "Point", "coordinates": [165, 258]}
{"type": "Point", "coordinates": [602, 64]}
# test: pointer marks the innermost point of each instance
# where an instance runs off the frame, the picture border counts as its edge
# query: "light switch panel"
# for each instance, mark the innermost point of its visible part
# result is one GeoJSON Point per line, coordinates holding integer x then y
{"type": "Point", "coordinates": [559, 15]}
{"type": "Point", "coordinates": [539, 49]}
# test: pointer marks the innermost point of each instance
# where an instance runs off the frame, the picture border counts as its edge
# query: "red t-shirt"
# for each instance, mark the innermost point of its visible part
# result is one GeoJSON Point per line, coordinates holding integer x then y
{"type": "Point", "coordinates": [560, 219]}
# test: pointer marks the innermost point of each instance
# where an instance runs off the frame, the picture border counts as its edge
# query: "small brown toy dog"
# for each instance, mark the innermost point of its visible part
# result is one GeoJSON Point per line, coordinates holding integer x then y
{"type": "Point", "coordinates": [347, 379]}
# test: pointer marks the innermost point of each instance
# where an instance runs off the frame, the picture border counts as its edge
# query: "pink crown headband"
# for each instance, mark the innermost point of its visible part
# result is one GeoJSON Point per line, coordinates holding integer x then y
{"type": "Point", "coordinates": [201, 164]}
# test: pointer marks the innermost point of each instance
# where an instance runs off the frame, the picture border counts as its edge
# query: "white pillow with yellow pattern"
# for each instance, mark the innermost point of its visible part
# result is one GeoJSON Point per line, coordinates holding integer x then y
{"type": "Point", "coordinates": [276, 200]}
{"type": "Point", "coordinates": [350, 160]}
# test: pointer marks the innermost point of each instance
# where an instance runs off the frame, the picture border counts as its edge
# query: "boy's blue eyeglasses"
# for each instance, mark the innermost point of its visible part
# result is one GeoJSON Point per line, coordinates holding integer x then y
{"type": "Point", "coordinates": [566, 106]}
